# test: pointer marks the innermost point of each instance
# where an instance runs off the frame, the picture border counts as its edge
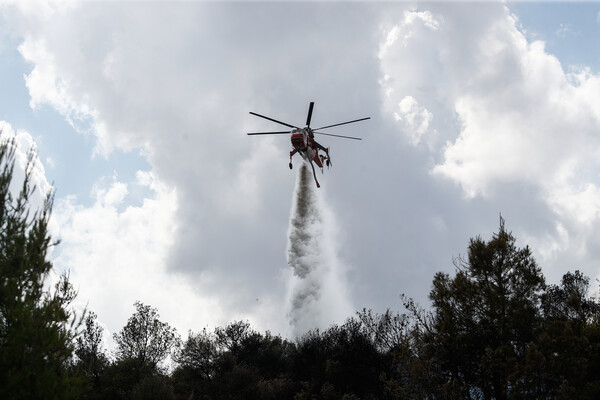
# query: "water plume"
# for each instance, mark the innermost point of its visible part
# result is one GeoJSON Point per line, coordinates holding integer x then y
{"type": "Point", "coordinates": [317, 292]}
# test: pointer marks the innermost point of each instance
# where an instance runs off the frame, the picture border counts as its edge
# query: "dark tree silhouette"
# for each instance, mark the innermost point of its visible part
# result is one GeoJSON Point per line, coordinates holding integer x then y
{"type": "Point", "coordinates": [485, 317]}
{"type": "Point", "coordinates": [90, 361]}
{"type": "Point", "coordinates": [145, 338]}
{"type": "Point", "coordinates": [199, 354]}
{"type": "Point", "coordinates": [562, 361]}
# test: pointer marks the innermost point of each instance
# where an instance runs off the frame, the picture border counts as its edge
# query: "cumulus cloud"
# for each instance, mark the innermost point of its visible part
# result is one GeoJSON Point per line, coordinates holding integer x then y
{"type": "Point", "coordinates": [518, 118]}
{"type": "Point", "coordinates": [117, 253]}
{"type": "Point", "coordinates": [526, 120]}
{"type": "Point", "coordinates": [512, 110]}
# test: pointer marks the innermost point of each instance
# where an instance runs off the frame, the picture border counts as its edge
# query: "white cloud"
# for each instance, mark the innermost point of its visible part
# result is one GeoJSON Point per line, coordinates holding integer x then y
{"type": "Point", "coordinates": [523, 121]}
{"type": "Point", "coordinates": [518, 119]}
{"type": "Point", "coordinates": [112, 196]}
{"type": "Point", "coordinates": [119, 256]}
{"type": "Point", "coordinates": [413, 77]}
{"type": "Point", "coordinates": [550, 246]}
{"type": "Point", "coordinates": [521, 118]}
{"type": "Point", "coordinates": [46, 87]}
{"type": "Point", "coordinates": [579, 204]}
{"type": "Point", "coordinates": [412, 22]}
{"type": "Point", "coordinates": [414, 118]}
{"type": "Point", "coordinates": [24, 145]}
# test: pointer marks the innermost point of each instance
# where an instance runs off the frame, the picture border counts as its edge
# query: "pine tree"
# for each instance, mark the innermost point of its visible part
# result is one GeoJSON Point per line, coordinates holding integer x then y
{"type": "Point", "coordinates": [37, 327]}
{"type": "Point", "coordinates": [485, 317]}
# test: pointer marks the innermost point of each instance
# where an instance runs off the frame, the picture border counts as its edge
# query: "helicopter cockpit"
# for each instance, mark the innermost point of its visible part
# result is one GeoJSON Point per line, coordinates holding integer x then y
{"type": "Point", "coordinates": [299, 139]}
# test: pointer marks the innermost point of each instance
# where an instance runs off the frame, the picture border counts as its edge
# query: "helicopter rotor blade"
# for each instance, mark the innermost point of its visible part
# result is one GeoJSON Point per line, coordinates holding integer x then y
{"type": "Point", "coordinates": [341, 123]}
{"type": "Point", "coordinates": [268, 133]}
{"type": "Point", "coordinates": [340, 136]}
{"type": "Point", "coordinates": [310, 109]}
{"type": "Point", "coordinates": [274, 120]}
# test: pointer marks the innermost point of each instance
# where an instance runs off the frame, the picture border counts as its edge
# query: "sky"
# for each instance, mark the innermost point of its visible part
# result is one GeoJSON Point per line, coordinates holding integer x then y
{"type": "Point", "coordinates": [138, 113]}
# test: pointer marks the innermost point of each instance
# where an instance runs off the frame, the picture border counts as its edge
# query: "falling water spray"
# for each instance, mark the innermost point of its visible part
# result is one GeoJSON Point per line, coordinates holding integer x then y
{"type": "Point", "coordinates": [317, 293]}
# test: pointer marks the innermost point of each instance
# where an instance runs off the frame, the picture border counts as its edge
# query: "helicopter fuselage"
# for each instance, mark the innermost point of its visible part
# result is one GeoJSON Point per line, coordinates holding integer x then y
{"type": "Point", "coordinates": [304, 144]}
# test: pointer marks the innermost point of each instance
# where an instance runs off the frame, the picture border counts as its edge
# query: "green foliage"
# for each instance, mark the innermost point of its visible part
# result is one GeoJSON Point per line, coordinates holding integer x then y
{"type": "Point", "coordinates": [199, 354]}
{"type": "Point", "coordinates": [341, 361]}
{"type": "Point", "coordinates": [485, 317]}
{"type": "Point", "coordinates": [231, 337]}
{"type": "Point", "coordinates": [570, 302]}
{"type": "Point", "coordinates": [153, 387]}
{"type": "Point", "coordinates": [36, 326]}
{"type": "Point", "coordinates": [90, 359]}
{"type": "Point", "coordinates": [119, 380]}
{"type": "Point", "coordinates": [234, 362]}
{"type": "Point", "coordinates": [559, 363]}
{"type": "Point", "coordinates": [142, 344]}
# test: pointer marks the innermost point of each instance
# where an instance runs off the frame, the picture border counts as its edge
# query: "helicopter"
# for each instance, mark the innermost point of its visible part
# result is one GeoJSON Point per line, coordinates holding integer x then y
{"type": "Point", "coordinates": [303, 140]}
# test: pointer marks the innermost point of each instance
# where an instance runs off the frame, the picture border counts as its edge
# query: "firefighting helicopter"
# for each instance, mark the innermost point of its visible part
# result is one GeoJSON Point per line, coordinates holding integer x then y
{"type": "Point", "coordinates": [303, 140]}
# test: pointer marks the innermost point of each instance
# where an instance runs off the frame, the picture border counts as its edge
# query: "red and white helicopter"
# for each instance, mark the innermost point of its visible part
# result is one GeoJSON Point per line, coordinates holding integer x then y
{"type": "Point", "coordinates": [303, 140]}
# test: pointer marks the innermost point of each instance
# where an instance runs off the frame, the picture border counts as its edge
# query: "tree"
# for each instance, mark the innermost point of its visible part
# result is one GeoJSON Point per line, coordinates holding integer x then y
{"type": "Point", "coordinates": [250, 365]}
{"type": "Point", "coordinates": [562, 361]}
{"type": "Point", "coordinates": [485, 317]}
{"type": "Point", "coordinates": [37, 327]}
{"type": "Point", "coordinates": [389, 331]}
{"type": "Point", "coordinates": [570, 302]}
{"type": "Point", "coordinates": [341, 361]}
{"type": "Point", "coordinates": [196, 369]}
{"type": "Point", "coordinates": [408, 370]}
{"type": "Point", "coordinates": [91, 360]}
{"type": "Point", "coordinates": [230, 338]}
{"type": "Point", "coordinates": [145, 338]}
{"type": "Point", "coordinates": [199, 353]}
